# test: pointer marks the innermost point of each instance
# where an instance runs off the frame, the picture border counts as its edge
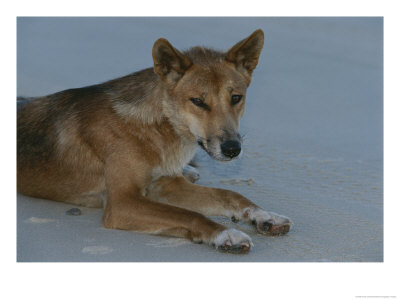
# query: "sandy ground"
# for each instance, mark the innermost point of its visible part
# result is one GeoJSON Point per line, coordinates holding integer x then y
{"type": "Point", "coordinates": [313, 134]}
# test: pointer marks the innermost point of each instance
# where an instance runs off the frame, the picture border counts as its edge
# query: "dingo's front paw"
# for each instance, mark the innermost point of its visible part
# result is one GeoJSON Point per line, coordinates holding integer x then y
{"type": "Point", "coordinates": [269, 222]}
{"type": "Point", "coordinates": [232, 241]}
{"type": "Point", "coordinates": [191, 173]}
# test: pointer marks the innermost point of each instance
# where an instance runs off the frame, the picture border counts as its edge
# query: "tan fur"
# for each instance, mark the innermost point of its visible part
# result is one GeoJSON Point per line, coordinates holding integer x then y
{"type": "Point", "coordinates": [123, 144]}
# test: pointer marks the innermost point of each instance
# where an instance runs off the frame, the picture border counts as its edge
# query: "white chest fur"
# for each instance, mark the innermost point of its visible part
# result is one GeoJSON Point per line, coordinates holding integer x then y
{"type": "Point", "coordinates": [174, 159]}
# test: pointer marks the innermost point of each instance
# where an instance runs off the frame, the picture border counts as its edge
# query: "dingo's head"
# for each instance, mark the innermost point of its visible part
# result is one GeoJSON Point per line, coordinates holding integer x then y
{"type": "Point", "coordinates": [207, 91]}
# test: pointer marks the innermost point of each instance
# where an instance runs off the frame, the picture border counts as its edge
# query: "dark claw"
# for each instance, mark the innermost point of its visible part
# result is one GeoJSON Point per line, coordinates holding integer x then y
{"type": "Point", "coordinates": [266, 226]}
{"type": "Point", "coordinates": [238, 249]}
{"type": "Point", "coordinates": [223, 248]}
{"type": "Point", "coordinates": [269, 228]}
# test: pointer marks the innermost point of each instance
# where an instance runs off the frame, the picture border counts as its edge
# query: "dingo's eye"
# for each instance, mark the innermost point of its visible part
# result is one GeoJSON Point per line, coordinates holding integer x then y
{"type": "Point", "coordinates": [200, 103]}
{"type": "Point", "coordinates": [236, 99]}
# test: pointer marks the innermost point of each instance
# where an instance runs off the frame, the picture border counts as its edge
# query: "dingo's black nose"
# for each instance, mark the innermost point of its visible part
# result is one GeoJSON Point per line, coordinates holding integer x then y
{"type": "Point", "coordinates": [231, 148]}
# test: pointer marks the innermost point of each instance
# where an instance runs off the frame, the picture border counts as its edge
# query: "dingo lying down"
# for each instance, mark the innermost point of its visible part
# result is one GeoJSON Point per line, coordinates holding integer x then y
{"type": "Point", "coordinates": [122, 145]}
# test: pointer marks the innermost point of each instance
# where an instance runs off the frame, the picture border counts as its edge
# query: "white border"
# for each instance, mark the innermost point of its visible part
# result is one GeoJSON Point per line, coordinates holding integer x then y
{"type": "Point", "coordinates": [195, 281]}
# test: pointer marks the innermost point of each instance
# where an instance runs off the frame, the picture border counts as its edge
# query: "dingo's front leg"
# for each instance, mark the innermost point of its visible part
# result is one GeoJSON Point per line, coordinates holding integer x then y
{"type": "Point", "coordinates": [179, 192]}
{"type": "Point", "coordinates": [129, 209]}
{"type": "Point", "coordinates": [143, 215]}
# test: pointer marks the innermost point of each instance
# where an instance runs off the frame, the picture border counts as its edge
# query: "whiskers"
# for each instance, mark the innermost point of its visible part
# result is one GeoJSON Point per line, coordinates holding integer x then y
{"type": "Point", "coordinates": [243, 137]}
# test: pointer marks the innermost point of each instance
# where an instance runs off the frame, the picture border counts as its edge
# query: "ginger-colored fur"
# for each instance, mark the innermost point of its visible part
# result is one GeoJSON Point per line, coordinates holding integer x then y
{"type": "Point", "coordinates": [122, 145]}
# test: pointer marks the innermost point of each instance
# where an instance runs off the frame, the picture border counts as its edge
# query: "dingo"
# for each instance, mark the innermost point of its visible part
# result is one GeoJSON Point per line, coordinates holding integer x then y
{"type": "Point", "coordinates": [123, 144]}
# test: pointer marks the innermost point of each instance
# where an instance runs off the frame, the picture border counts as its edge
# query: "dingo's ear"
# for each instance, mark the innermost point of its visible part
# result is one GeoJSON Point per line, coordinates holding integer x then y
{"type": "Point", "coordinates": [169, 63]}
{"type": "Point", "coordinates": [245, 54]}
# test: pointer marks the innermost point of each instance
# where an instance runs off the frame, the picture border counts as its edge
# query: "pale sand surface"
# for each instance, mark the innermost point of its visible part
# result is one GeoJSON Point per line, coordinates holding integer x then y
{"type": "Point", "coordinates": [313, 135]}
